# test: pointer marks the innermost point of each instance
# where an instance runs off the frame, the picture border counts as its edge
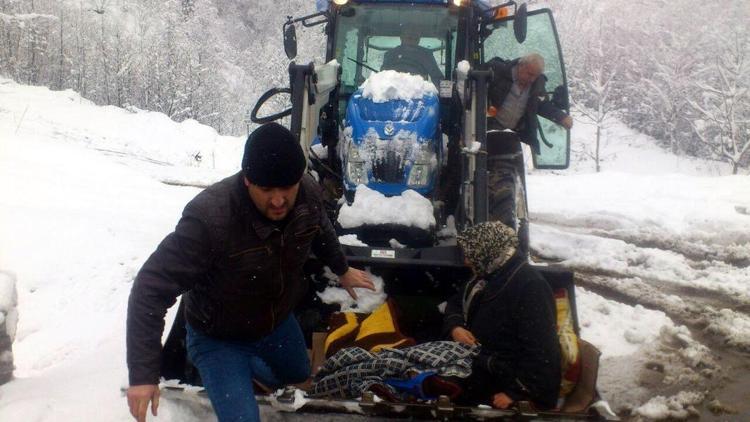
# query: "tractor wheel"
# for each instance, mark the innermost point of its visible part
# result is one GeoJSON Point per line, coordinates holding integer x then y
{"type": "Point", "coordinates": [8, 323]}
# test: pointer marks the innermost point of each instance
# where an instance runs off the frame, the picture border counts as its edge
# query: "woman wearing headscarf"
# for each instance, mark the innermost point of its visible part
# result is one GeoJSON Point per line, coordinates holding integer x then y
{"type": "Point", "coordinates": [508, 309]}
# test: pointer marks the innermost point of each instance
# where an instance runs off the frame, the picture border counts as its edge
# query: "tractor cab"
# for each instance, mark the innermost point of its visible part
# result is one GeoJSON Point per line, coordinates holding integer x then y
{"type": "Point", "coordinates": [365, 31]}
{"type": "Point", "coordinates": [392, 141]}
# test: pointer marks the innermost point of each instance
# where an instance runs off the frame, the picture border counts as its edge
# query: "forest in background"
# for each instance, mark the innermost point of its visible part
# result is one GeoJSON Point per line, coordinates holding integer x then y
{"type": "Point", "coordinates": [677, 70]}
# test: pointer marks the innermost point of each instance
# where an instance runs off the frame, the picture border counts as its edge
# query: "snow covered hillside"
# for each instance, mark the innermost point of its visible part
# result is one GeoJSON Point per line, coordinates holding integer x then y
{"type": "Point", "coordinates": [86, 193]}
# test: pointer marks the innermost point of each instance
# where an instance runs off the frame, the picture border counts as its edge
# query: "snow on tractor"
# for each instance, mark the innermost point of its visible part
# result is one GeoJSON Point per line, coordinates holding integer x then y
{"type": "Point", "coordinates": [398, 142]}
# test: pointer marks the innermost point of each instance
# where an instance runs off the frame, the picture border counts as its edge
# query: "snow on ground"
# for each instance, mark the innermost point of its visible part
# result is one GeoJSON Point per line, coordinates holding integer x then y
{"type": "Point", "coordinates": [660, 229]}
{"type": "Point", "coordinates": [676, 407]}
{"type": "Point", "coordinates": [76, 223]}
{"type": "Point", "coordinates": [629, 327]}
{"type": "Point", "coordinates": [650, 224]}
{"type": "Point", "coordinates": [187, 150]}
{"type": "Point", "coordinates": [626, 150]}
{"type": "Point", "coordinates": [83, 203]}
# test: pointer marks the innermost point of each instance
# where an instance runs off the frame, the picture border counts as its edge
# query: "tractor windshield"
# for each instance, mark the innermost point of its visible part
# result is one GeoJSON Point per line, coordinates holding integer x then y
{"type": "Point", "coordinates": [420, 38]}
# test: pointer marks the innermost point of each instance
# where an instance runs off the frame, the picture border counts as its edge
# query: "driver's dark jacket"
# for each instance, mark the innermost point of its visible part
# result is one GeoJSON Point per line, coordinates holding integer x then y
{"type": "Point", "coordinates": [538, 102]}
{"type": "Point", "coordinates": [241, 274]}
{"type": "Point", "coordinates": [413, 59]}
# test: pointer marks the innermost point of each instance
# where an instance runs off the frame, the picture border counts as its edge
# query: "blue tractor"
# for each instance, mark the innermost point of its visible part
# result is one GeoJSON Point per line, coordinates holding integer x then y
{"type": "Point", "coordinates": [431, 141]}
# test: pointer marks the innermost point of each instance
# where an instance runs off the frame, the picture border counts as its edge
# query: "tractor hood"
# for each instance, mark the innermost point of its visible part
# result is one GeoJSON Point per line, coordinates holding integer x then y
{"type": "Point", "coordinates": [391, 146]}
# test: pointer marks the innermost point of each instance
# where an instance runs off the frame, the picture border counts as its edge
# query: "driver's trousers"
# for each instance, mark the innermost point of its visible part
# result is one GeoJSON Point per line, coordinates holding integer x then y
{"type": "Point", "coordinates": [506, 184]}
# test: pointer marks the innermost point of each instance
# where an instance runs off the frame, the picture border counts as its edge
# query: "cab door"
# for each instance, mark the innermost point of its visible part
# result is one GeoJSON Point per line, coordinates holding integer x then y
{"type": "Point", "coordinates": [541, 38]}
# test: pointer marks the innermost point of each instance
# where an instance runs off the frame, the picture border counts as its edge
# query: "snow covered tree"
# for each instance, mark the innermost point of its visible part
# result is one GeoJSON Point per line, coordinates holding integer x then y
{"type": "Point", "coordinates": [723, 108]}
{"type": "Point", "coordinates": [661, 84]}
{"type": "Point", "coordinates": [207, 61]}
{"type": "Point", "coordinates": [593, 85]}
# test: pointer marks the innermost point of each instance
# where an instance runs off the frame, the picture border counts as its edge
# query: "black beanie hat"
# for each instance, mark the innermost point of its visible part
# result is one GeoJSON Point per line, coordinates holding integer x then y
{"type": "Point", "coordinates": [273, 157]}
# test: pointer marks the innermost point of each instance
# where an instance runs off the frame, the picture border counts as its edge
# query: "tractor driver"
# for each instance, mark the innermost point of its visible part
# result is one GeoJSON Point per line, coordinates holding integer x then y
{"type": "Point", "coordinates": [410, 57]}
{"type": "Point", "coordinates": [237, 255]}
{"type": "Point", "coordinates": [516, 95]}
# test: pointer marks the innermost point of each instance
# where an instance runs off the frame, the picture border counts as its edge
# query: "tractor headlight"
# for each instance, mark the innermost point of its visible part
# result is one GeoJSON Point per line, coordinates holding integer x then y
{"type": "Point", "coordinates": [356, 167]}
{"type": "Point", "coordinates": [419, 175]}
{"type": "Point", "coordinates": [421, 171]}
{"type": "Point", "coordinates": [356, 172]}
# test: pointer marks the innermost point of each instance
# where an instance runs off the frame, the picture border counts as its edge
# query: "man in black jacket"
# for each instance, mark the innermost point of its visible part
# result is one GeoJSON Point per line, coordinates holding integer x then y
{"type": "Point", "coordinates": [237, 255]}
{"type": "Point", "coordinates": [508, 309]}
{"type": "Point", "coordinates": [516, 95]}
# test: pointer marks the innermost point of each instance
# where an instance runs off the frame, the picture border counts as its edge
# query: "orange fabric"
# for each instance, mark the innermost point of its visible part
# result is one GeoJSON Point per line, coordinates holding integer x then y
{"type": "Point", "coordinates": [380, 330]}
{"type": "Point", "coordinates": [501, 13]}
{"type": "Point", "coordinates": [373, 332]}
{"type": "Point", "coordinates": [585, 390]}
{"type": "Point", "coordinates": [343, 328]}
{"type": "Point", "coordinates": [569, 351]}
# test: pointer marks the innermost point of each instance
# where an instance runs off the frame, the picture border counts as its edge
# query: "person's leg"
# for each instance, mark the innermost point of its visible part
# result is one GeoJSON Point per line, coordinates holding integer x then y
{"type": "Point", "coordinates": [479, 387]}
{"type": "Point", "coordinates": [225, 369]}
{"type": "Point", "coordinates": [281, 357]}
{"type": "Point", "coordinates": [505, 184]}
{"type": "Point", "coordinates": [523, 207]}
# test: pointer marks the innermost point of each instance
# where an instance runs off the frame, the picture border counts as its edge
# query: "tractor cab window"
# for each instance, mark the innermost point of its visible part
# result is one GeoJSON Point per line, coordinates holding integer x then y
{"type": "Point", "coordinates": [418, 39]}
{"type": "Point", "coordinates": [541, 37]}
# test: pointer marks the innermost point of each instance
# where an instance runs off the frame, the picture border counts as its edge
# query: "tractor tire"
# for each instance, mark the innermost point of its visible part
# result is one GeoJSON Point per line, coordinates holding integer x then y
{"type": "Point", "coordinates": [506, 200]}
{"type": "Point", "coordinates": [8, 321]}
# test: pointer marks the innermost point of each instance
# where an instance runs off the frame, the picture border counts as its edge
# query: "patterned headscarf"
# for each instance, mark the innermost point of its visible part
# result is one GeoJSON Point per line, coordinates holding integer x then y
{"type": "Point", "coordinates": [488, 246]}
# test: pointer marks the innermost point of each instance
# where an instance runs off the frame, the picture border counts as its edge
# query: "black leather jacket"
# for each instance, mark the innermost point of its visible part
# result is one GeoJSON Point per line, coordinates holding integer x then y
{"type": "Point", "coordinates": [538, 103]}
{"type": "Point", "coordinates": [240, 272]}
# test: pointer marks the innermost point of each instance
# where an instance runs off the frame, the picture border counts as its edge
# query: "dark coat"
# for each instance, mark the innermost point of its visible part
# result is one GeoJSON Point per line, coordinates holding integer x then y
{"type": "Point", "coordinates": [538, 103]}
{"type": "Point", "coordinates": [240, 272]}
{"type": "Point", "coordinates": [413, 59]}
{"type": "Point", "coordinates": [513, 319]}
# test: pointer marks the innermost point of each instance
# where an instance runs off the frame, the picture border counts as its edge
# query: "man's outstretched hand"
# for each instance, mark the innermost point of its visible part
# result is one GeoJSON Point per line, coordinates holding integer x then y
{"type": "Point", "coordinates": [138, 398]}
{"type": "Point", "coordinates": [355, 278]}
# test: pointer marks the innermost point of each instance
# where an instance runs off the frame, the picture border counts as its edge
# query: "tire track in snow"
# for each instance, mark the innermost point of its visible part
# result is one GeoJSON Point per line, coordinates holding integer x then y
{"type": "Point", "coordinates": [698, 248]}
{"type": "Point", "coordinates": [710, 307]}
{"type": "Point", "coordinates": [716, 314]}
{"type": "Point", "coordinates": [705, 315]}
{"type": "Point", "coordinates": [705, 290]}
{"type": "Point", "coordinates": [712, 283]}
{"type": "Point", "coordinates": [727, 385]}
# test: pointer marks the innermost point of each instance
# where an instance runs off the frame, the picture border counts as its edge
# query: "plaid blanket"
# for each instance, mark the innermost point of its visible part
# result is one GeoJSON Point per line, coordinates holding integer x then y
{"type": "Point", "coordinates": [352, 371]}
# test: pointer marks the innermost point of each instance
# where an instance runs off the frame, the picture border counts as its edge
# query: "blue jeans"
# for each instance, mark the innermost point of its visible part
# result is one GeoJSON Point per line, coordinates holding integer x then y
{"type": "Point", "coordinates": [227, 368]}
